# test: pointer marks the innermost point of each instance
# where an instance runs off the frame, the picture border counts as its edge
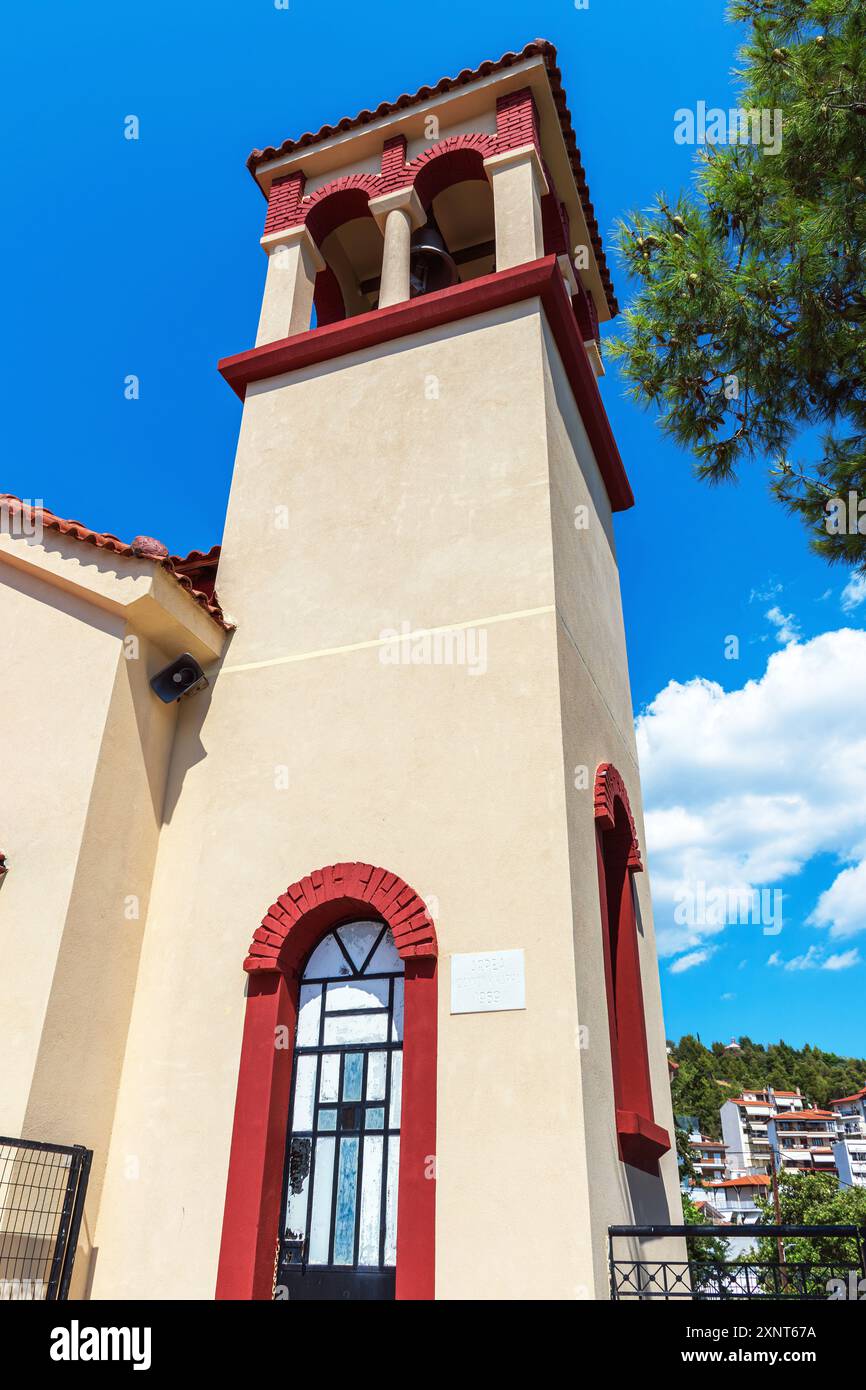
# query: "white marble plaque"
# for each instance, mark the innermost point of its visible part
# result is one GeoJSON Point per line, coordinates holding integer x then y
{"type": "Point", "coordinates": [486, 981]}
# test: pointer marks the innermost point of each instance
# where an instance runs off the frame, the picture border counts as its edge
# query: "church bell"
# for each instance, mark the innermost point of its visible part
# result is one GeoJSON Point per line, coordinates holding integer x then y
{"type": "Point", "coordinates": [431, 266]}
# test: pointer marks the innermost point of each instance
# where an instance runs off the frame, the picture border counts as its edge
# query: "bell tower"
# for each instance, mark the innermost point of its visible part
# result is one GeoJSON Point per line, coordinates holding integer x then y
{"type": "Point", "coordinates": [427, 686]}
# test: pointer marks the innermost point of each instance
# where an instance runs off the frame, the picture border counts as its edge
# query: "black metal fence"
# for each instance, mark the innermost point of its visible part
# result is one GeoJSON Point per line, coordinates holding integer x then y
{"type": "Point", "coordinates": [739, 1276]}
{"type": "Point", "coordinates": [42, 1191]}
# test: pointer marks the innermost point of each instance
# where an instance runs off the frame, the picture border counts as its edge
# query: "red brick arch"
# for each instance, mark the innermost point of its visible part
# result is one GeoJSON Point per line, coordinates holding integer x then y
{"type": "Point", "coordinates": [449, 161]}
{"type": "Point", "coordinates": [610, 788]}
{"type": "Point", "coordinates": [341, 200]}
{"type": "Point", "coordinates": [290, 929]}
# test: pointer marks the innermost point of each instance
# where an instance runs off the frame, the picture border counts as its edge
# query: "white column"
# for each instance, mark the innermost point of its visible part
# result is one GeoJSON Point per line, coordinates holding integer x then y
{"type": "Point", "coordinates": [518, 185]}
{"type": "Point", "coordinates": [397, 215]}
{"type": "Point", "coordinates": [294, 260]}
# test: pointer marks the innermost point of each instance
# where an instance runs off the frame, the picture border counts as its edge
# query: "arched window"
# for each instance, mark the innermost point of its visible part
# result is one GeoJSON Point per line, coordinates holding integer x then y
{"type": "Point", "coordinates": [339, 1233]}
{"type": "Point", "coordinates": [350, 951]}
{"type": "Point", "coordinates": [641, 1141]}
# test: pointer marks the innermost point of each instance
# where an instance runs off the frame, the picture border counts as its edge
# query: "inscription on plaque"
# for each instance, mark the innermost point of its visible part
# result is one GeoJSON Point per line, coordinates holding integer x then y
{"type": "Point", "coordinates": [487, 981]}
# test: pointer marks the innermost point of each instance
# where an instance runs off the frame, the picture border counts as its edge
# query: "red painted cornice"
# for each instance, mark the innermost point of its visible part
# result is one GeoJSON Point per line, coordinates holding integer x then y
{"type": "Point", "coordinates": [541, 279]}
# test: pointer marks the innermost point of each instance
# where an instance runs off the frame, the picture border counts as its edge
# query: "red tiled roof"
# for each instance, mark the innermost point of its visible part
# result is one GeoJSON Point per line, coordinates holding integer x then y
{"type": "Point", "coordinates": [195, 572]}
{"type": "Point", "coordinates": [796, 1116]}
{"type": "Point", "coordinates": [537, 48]}
{"type": "Point", "coordinates": [858, 1095]}
{"type": "Point", "coordinates": [755, 1180]}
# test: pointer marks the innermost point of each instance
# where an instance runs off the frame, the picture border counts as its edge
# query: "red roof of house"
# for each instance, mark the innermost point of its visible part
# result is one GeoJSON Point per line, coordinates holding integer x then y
{"type": "Point", "coordinates": [537, 48]}
{"type": "Point", "coordinates": [795, 1116]}
{"type": "Point", "coordinates": [752, 1180]}
{"type": "Point", "coordinates": [195, 572]}
{"type": "Point", "coordinates": [858, 1095]}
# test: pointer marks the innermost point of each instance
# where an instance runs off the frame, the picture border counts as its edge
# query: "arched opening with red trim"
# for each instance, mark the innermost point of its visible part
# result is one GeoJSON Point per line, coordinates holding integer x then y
{"type": "Point", "coordinates": [339, 220]}
{"type": "Point", "coordinates": [450, 181]}
{"type": "Point", "coordinates": [290, 929]}
{"type": "Point", "coordinates": [641, 1141]}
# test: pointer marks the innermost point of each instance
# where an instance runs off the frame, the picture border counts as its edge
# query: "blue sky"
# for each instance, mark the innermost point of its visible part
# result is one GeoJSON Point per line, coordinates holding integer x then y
{"type": "Point", "coordinates": [142, 257]}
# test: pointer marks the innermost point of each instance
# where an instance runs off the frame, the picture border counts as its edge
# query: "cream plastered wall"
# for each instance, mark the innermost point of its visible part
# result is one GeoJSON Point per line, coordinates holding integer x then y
{"type": "Point", "coordinates": [415, 487]}
{"type": "Point", "coordinates": [55, 692]}
{"type": "Point", "coordinates": [87, 750]}
{"type": "Point", "coordinates": [597, 727]}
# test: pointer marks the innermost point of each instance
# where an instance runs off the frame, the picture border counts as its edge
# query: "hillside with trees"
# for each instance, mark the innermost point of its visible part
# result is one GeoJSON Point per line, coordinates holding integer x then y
{"type": "Point", "coordinates": [708, 1076]}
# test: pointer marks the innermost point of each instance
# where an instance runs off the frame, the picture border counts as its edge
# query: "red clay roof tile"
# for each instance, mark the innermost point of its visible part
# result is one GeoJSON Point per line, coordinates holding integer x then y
{"type": "Point", "coordinates": [195, 572]}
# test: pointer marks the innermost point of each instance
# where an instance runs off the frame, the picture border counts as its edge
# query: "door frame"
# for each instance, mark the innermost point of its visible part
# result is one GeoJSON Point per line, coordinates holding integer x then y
{"type": "Point", "coordinates": [280, 946]}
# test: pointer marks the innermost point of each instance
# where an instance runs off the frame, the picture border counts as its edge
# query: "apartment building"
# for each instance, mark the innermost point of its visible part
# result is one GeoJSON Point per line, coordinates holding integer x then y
{"type": "Point", "coordinates": [744, 1122]}
{"type": "Point", "coordinates": [736, 1199]}
{"type": "Point", "coordinates": [849, 1147]}
{"type": "Point", "coordinates": [850, 1113]}
{"type": "Point", "coordinates": [803, 1140]}
{"type": "Point", "coordinates": [708, 1156]}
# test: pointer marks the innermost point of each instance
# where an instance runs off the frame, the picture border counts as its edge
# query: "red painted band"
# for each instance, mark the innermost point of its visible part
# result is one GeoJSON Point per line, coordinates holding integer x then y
{"type": "Point", "coordinates": [541, 279]}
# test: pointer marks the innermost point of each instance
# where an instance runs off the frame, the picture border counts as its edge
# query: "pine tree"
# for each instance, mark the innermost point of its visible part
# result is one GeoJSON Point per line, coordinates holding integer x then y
{"type": "Point", "coordinates": [748, 325]}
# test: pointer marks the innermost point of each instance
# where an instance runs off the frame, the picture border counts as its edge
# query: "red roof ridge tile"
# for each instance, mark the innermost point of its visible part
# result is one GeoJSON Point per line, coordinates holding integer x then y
{"type": "Point", "coordinates": [183, 569]}
{"type": "Point", "coordinates": [541, 48]}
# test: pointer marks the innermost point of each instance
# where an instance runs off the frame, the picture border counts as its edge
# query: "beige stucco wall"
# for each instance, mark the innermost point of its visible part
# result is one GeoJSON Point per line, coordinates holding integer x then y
{"type": "Point", "coordinates": [598, 727]}
{"type": "Point", "coordinates": [408, 484]}
{"type": "Point", "coordinates": [85, 758]}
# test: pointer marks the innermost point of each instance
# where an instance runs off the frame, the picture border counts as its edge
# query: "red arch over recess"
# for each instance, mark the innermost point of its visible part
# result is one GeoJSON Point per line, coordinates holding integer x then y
{"type": "Point", "coordinates": [279, 948]}
{"type": "Point", "coordinates": [640, 1140]}
{"type": "Point", "coordinates": [452, 160]}
{"type": "Point", "coordinates": [337, 202]}
{"type": "Point", "coordinates": [610, 788]}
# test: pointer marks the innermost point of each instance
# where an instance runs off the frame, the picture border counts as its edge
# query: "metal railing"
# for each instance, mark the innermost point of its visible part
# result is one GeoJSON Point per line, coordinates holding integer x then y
{"type": "Point", "coordinates": [737, 1277]}
{"type": "Point", "coordinates": [42, 1191]}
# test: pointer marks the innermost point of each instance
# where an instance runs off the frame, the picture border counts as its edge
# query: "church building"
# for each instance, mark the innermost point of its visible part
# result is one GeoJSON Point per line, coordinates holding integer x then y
{"type": "Point", "coordinates": [325, 924]}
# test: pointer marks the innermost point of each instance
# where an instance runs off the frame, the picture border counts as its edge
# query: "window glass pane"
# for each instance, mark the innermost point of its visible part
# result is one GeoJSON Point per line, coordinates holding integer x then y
{"type": "Point", "coordinates": [329, 1085]}
{"type": "Point", "coordinates": [391, 1201]}
{"type": "Point", "coordinates": [327, 1119]}
{"type": "Point", "coordinates": [386, 960]}
{"type": "Point", "coordinates": [327, 961]}
{"type": "Point", "coordinates": [305, 1085]}
{"type": "Point", "coordinates": [357, 1028]}
{"type": "Point", "coordinates": [320, 1222]}
{"type": "Point", "coordinates": [371, 1202]}
{"type": "Point", "coordinates": [397, 1025]}
{"type": "Point", "coordinates": [300, 1153]}
{"type": "Point", "coordinates": [308, 1015]}
{"type": "Point", "coordinates": [352, 1074]}
{"type": "Point", "coordinates": [344, 1225]}
{"type": "Point", "coordinates": [396, 1090]}
{"type": "Point", "coordinates": [375, 1117]}
{"type": "Point", "coordinates": [371, 994]}
{"type": "Point", "coordinates": [376, 1066]}
{"type": "Point", "coordinates": [358, 939]}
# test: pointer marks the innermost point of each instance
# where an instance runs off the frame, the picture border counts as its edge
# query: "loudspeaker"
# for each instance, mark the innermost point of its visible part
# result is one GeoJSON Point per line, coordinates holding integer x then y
{"type": "Point", "coordinates": [183, 677]}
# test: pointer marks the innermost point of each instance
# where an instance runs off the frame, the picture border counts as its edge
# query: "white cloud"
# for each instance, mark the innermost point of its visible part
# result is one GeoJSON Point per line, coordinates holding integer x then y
{"type": "Point", "coordinates": [689, 961]}
{"type": "Point", "coordinates": [842, 906]}
{"type": "Point", "coordinates": [744, 787]}
{"type": "Point", "coordinates": [854, 592]}
{"type": "Point", "coordinates": [814, 959]}
{"type": "Point", "coordinates": [843, 960]}
{"type": "Point", "coordinates": [787, 628]}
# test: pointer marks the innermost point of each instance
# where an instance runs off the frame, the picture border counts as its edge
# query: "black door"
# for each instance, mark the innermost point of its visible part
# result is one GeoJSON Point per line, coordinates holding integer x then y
{"type": "Point", "coordinates": [338, 1237]}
